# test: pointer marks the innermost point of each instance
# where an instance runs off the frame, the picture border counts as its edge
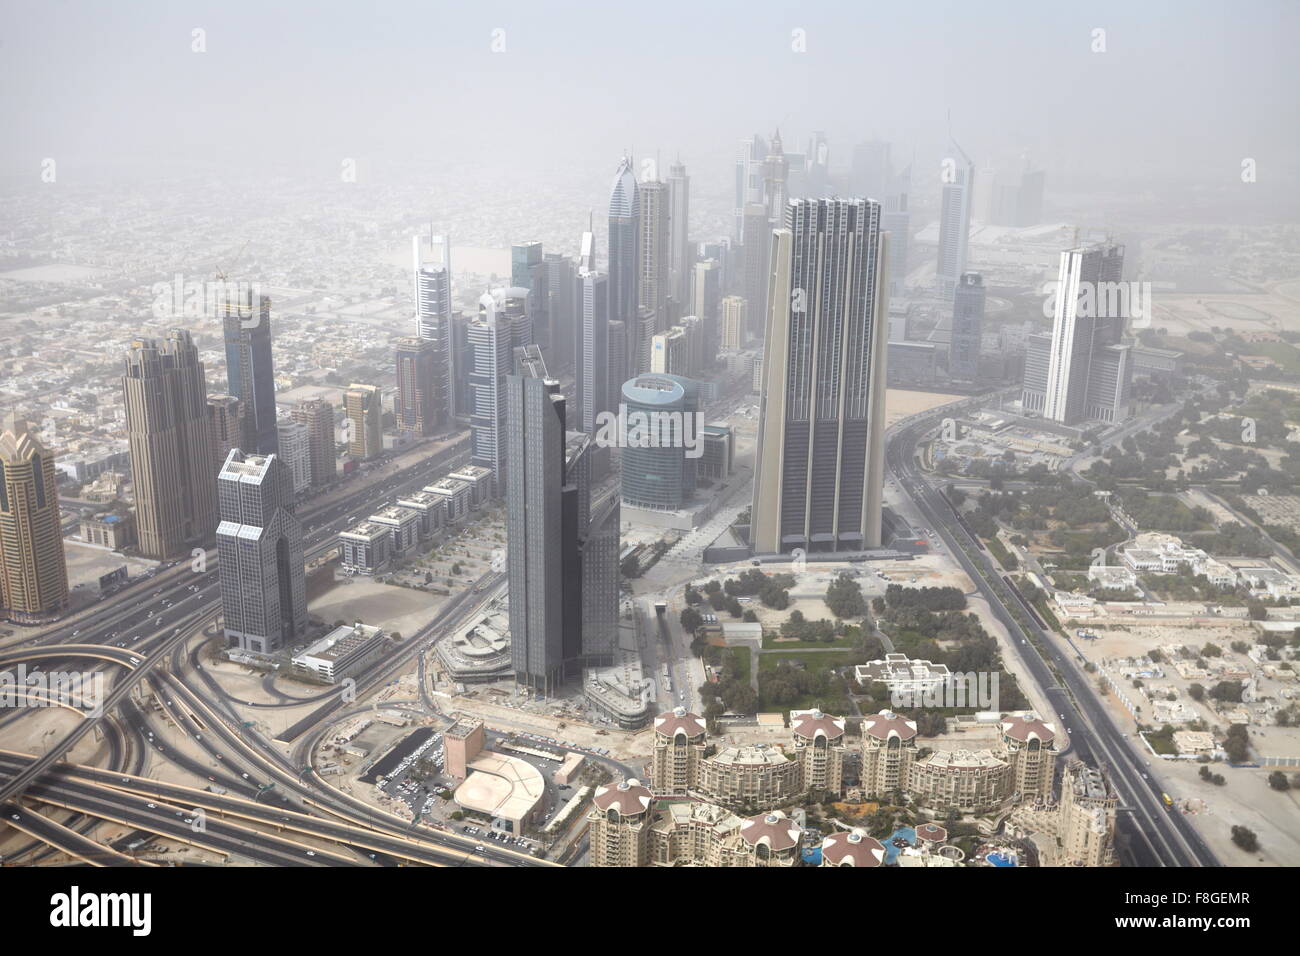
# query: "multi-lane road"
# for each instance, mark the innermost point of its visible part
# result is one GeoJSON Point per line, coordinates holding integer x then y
{"type": "Point", "coordinates": [1151, 834]}
{"type": "Point", "coordinates": [145, 634]}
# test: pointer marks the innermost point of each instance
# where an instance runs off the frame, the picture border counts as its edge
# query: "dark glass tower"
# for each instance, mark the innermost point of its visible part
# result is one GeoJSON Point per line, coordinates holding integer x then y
{"type": "Point", "coordinates": [250, 370]}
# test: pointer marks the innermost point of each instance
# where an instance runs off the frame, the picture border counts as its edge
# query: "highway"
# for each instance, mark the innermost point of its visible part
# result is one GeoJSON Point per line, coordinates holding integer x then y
{"type": "Point", "coordinates": [145, 636]}
{"type": "Point", "coordinates": [1152, 835]}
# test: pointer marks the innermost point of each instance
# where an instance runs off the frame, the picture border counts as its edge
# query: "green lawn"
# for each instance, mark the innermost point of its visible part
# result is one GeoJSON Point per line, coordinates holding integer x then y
{"type": "Point", "coordinates": [817, 660]}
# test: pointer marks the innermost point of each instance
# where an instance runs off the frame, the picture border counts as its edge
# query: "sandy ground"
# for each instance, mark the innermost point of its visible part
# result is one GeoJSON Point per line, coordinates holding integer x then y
{"type": "Point", "coordinates": [899, 403]}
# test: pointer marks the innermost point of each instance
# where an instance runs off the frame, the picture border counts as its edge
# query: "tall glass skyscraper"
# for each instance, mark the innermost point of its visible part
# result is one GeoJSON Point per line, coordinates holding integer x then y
{"type": "Point", "coordinates": [433, 322]}
{"type": "Point", "coordinates": [954, 222]}
{"type": "Point", "coordinates": [624, 260]}
{"type": "Point", "coordinates": [820, 460]}
{"type": "Point", "coordinates": [250, 370]}
{"type": "Point", "coordinates": [259, 543]}
{"type": "Point", "coordinates": [967, 327]}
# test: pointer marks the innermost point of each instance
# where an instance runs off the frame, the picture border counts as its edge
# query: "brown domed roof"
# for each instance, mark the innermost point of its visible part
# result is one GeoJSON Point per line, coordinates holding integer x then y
{"type": "Point", "coordinates": [628, 798]}
{"type": "Point", "coordinates": [888, 724]}
{"type": "Point", "coordinates": [853, 848]}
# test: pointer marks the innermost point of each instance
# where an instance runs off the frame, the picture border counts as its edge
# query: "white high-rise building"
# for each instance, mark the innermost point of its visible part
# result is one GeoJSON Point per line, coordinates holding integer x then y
{"type": "Point", "coordinates": [295, 449]}
{"type": "Point", "coordinates": [433, 319]}
{"type": "Point", "coordinates": [680, 250]}
{"type": "Point", "coordinates": [954, 220]}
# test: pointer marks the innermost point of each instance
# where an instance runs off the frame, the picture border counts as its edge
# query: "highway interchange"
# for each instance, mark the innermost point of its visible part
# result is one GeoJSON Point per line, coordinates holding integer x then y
{"type": "Point", "coordinates": [274, 809]}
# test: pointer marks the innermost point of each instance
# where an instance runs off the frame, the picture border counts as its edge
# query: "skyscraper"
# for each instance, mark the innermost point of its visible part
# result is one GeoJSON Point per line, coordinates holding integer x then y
{"type": "Point", "coordinates": [501, 327]}
{"type": "Point", "coordinates": [433, 322]}
{"type": "Point", "coordinates": [954, 220]}
{"type": "Point", "coordinates": [250, 372]}
{"type": "Point", "coordinates": [705, 299]}
{"type": "Point", "coordinates": [592, 361]}
{"type": "Point", "coordinates": [415, 407]}
{"type": "Point", "coordinates": [225, 426]}
{"type": "Point", "coordinates": [776, 173]}
{"type": "Point", "coordinates": [546, 517]}
{"type": "Point", "coordinates": [896, 220]}
{"type": "Point", "coordinates": [363, 421]}
{"type": "Point", "coordinates": [624, 258]}
{"type": "Point", "coordinates": [561, 310]}
{"type": "Point", "coordinates": [295, 452]}
{"type": "Point", "coordinates": [653, 276]}
{"type": "Point", "coordinates": [733, 322]}
{"type": "Point", "coordinates": [819, 465]}
{"type": "Point", "coordinates": [758, 249]}
{"type": "Point", "coordinates": [527, 271]}
{"type": "Point", "coordinates": [318, 415]}
{"type": "Point", "coordinates": [170, 445]}
{"type": "Point", "coordinates": [748, 180]}
{"type": "Point", "coordinates": [259, 544]}
{"type": "Point", "coordinates": [967, 327]}
{"type": "Point", "coordinates": [33, 571]}
{"type": "Point", "coordinates": [657, 472]}
{"type": "Point", "coordinates": [1088, 367]}
{"type": "Point", "coordinates": [680, 250]}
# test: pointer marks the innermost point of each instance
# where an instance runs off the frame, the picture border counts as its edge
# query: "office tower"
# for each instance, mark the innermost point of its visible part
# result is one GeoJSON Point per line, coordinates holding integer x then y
{"type": "Point", "coordinates": [668, 352]}
{"type": "Point", "coordinates": [1088, 368]}
{"type": "Point", "coordinates": [954, 221]}
{"type": "Point", "coordinates": [171, 449]}
{"type": "Point", "coordinates": [776, 172]}
{"type": "Point", "coordinates": [561, 309]}
{"type": "Point", "coordinates": [416, 407]}
{"type": "Point", "coordinates": [1014, 199]}
{"type": "Point", "coordinates": [871, 173]}
{"type": "Point", "coordinates": [462, 361]}
{"type": "Point", "coordinates": [619, 333]}
{"type": "Point", "coordinates": [706, 294]}
{"type": "Point", "coordinates": [897, 221]}
{"type": "Point", "coordinates": [662, 421]}
{"type": "Point", "coordinates": [259, 547]}
{"type": "Point", "coordinates": [748, 180]}
{"type": "Point", "coordinates": [250, 372]}
{"type": "Point", "coordinates": [647, 327]}
{"type": "Point", "coordinates": [225, 427]}
{"type": "Point", "coordinates": [33, 572]}
{"type": "Point", "coordinates": [653, 274]}
{"type": "Point", "coordinates": [318, 415]}
{"type": "Point", "coordinates": [624, 250]}
{"type": "Point", "coordinates": [363, 419]}
{"type": "Point", "coordinates": [591, 364]}
{"type": "Point", "coordinates": [501, 327]}
{"type": "Point", "coordinates": [680, 251]}
{"type": "Point", "coordinates": [546, 519]}
{"type": "Point", "coordinates": [819, 465]}
{"type": "Point", "coordinates": [758, 249]}
{"type": "Point", "coordinates": [433, 322]}
{"type": "Point", "coordinates": [600, 585]}
{"type": "Point", "coordinates": [819, 165]}
{"type": "Point", "coordinates": [528, 271]}
{"type": "Point", "coordinates": [967, 327]}
{"type": "Point", "coordinates": [295, 451]}
{"type": "Point", "coordinates": [734, 322]}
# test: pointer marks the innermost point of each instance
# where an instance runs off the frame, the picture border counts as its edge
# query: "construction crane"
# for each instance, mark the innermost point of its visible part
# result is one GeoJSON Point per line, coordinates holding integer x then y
{"type": "Point", "coordinates": [221, 273]}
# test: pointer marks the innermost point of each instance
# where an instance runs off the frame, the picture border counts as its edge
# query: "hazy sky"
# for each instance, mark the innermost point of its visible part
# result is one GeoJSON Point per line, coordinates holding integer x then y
{"type": "Point", "coordinates": [1183, 91]}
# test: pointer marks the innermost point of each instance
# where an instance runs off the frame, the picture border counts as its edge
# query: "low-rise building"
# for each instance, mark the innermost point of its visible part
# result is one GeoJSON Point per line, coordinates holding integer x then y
{"type": "Point", "coordinates": [341, 653]}
{"type": "Point", "coordinates": [113, 531]}
{"type": "Point", "coordinates": [365, 548]}
{"type": "Point", "coordinates": [404, 525]}
{"type": "Point", "coordinates": [456, 496]}
{"type": "Point", "coordinates": [430, 509]}
{"type": "Point", "coordinates": [479, 480]}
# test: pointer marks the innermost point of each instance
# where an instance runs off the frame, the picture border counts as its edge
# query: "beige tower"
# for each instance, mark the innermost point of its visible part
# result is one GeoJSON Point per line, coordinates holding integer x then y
{"type": "Point", "coordinates": [318, 415]}
{"type": "Point", "coordinates": [679, 747]}
{"type": "Point", "coordinates": [172, 472]}
{"type": "Point", "coordinates": [888, 750]}
{"type": "Point", "coordinates": [620, 824]}
{"type": "Point", "coordinates": [33, 574]}
{"type": "Point", "coordinates": [1088, 807]}
{"type": "Point", "coordinates": [819, 468]}
{"type": "Point", "coordinates": [819, 746]}
{"type": "Point", "coordinates": [363, 424]}
{"type": "Point", "coordinates": [733, 322]}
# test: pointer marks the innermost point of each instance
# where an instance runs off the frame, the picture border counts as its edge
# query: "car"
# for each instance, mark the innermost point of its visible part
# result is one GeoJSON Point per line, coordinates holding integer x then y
{"type": "Point", "coordinates": [180, 813]}
{"type": "Point", "coordinates": [311, 852]}
{"type": "Point", "coordinates": [16, 817]}
{"type": "Point", "coordinates": [152, 806]}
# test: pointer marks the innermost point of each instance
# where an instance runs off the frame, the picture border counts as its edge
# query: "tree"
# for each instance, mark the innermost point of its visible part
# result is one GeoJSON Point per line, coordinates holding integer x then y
{"type": "Point", "coordinates": [691, 620]}
{"type": "Point", "coordinates": [1245, 838]}
{"type": "Point", "coordinates": [844, 597]}
{"type": "Point", "coordinates": [1196, 692]}
{"type": "Point", "coordinates": [751, 617]}
{"type": "Point", "coordinates": [1278, 781]}
{"type": "Point", "coordinates": [630, 567]}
